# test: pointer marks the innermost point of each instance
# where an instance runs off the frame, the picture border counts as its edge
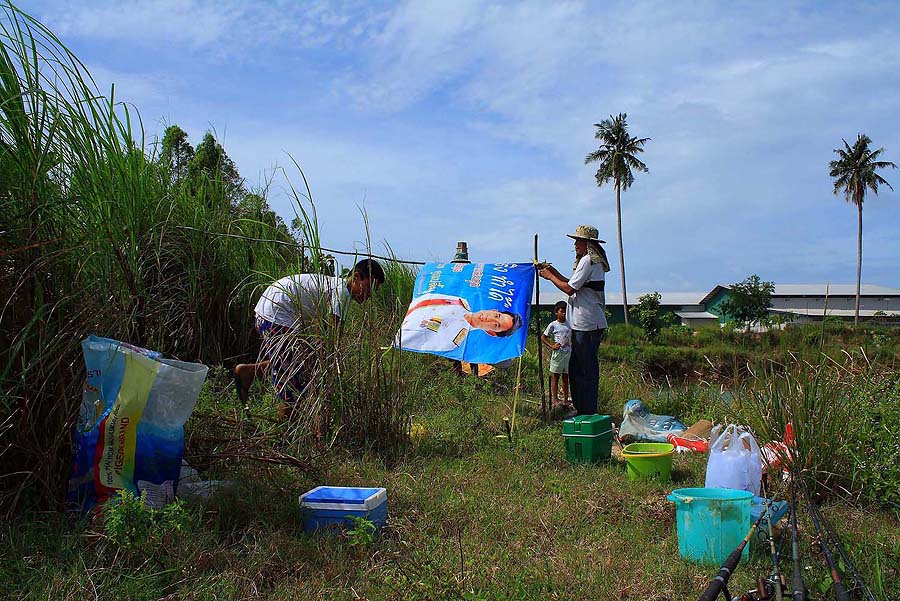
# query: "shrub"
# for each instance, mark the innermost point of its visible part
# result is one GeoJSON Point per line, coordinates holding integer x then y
{"type": "Point", "coordinates": [667, 360]}
{"type": "Point", "coordinates": [845, 425]}
{"type": "Point", "coordinates": [676, 336]}
{"type": "Point", "coordinates": [727, 333]}
{"type": "Point", "coordinates": [748, 302]}
{"type": "Point", "coordinates": [647, 311]}
{"type": "Point", "coordinates": [621, 334]}
{"type": "Point", "coordinates": [362, 533]}
{"type": "Point", "coordinates": [136, 528]}
{"type": "Point", "coordinates": [655, 359]}
{"type": "Point", "coordinates": [728, 361]}
{"type": "Point", "coordinates": [687, 403]}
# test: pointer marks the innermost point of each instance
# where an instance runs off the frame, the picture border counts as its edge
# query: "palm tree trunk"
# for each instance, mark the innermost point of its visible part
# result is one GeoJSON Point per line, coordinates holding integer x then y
{"type": "Point", "coordinates": [621, 252]}
{"type": "Point", "coordinates": [858, 257]}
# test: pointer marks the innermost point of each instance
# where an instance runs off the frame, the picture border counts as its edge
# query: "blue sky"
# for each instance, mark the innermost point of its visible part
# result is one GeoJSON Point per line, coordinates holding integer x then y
{"type": "Point", "coordinates": [464, 120]}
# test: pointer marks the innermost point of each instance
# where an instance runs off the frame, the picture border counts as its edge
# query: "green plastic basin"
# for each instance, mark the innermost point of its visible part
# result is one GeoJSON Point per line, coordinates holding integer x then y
{"type": "Point", "coordinates": [649, 460]}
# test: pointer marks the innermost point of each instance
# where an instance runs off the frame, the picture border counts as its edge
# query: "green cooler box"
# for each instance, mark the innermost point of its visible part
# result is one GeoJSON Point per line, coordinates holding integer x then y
{"type": "Point", "coordinates": [588, 438]}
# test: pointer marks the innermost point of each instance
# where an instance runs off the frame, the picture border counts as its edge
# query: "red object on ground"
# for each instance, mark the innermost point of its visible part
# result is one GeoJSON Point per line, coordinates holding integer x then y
{"type": "Point", "coordinates": [698, 446]}
{"type": "Point", "coordinates": [776, 455]}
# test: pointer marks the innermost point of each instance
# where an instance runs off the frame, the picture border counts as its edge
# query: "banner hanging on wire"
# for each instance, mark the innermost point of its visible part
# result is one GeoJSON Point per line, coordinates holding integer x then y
{"type": "Point", "coordinates": [475, 312]}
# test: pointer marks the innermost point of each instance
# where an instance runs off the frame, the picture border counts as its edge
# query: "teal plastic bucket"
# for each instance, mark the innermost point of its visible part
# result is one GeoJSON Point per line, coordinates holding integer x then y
{"type": "Point", "coordinates": [712, 522]}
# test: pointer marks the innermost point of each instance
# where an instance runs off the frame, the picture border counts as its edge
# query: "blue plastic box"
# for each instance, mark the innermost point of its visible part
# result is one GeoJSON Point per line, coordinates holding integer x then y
{"type": "Point", "coordinates": [777, 510]}
{"type": "Point", "coordinates": [329, 508]}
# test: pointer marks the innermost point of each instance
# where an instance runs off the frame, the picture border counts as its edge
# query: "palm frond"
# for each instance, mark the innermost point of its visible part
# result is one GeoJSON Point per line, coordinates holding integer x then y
{"type": "Point", "coordinates": [616, 153]}
{"type": "Point", "coordinates": [855, 169]}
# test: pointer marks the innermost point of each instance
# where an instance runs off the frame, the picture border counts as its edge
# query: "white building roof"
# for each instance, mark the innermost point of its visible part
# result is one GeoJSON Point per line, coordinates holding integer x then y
{"type": "Point", "coordinates": [836, 312]}
{"type": "Point", "coordinates": [671, 298]}
{"type": "Point", "coordinates": [553, 295]}
{"type": "Point", "coordinates": [696, 315]}
{"type": "Point", "coordinates": [833, 290]}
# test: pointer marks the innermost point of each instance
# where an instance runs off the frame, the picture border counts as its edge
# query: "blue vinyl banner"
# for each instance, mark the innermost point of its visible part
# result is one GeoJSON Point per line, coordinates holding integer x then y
{"type": "Point", "coordinates": [476, 312]}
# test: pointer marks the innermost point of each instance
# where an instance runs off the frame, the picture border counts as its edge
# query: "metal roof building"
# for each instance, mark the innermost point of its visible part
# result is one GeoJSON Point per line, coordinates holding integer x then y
{"type": "Point", "coordinates": [798, 302]}
{"type": "Point", "coordinates": [812, 302]}
{"type": "Point", "coordinates": [686, 306]}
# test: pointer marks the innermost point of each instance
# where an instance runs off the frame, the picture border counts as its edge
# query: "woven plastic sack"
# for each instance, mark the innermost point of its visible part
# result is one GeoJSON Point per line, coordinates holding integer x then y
{"type": "Point", "coordinates": [734, 460]}
{"type": "Point", "coordinates": [639, 425]}
{"type": "Point", "coordinates": [130, 431]}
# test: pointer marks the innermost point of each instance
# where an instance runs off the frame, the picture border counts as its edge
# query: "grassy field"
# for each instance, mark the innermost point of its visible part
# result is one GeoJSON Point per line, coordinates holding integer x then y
{"type": "Point", "coordinates": [470, 517]}
{"type": "Point", "coordinates": [117, 237]}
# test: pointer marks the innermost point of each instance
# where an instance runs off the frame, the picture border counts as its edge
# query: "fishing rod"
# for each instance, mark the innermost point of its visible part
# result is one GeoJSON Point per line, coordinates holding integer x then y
{"type": "Point", "coordinates": [774, 583]}
{"type": "Point", "coordinates": [857, 577]}
{"type": "Point", "coordinates": [719, 584]}
{"type": "Point", "coordinates": [798, 587]}
{"type": "Point", "coordinates": [840, 591]}
{"type": "Point", "coordinates": [776, 574]}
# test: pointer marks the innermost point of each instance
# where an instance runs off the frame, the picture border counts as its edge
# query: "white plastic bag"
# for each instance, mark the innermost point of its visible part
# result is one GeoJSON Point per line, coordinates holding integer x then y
{"type": "Point", "coordinates": [734, 460]}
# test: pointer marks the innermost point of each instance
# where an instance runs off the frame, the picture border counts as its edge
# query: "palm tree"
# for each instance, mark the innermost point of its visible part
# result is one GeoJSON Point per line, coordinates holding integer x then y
{"type": "Point", "coordinates": [854, 171]}
{"type": "Point", "coordinates": [616, 156]}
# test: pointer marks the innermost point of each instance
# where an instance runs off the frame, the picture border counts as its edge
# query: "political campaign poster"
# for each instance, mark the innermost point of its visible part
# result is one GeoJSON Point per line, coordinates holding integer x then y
{"type": "Point", "coordinates": [475, 312]}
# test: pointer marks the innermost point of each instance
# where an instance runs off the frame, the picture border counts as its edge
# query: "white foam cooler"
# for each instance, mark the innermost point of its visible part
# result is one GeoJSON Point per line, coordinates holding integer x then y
{"type": "Point", "coordinates": [331, 507]}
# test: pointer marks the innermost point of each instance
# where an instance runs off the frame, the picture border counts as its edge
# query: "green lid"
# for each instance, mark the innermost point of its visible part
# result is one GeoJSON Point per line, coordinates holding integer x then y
{"type": "Point", "coordinates": [587, 424]}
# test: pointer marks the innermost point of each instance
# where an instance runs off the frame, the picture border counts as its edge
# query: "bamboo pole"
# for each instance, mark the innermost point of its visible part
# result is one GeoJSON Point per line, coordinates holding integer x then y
{"type": "Point", "coordinates": [512, 424]}
{"type": "Point", "coordinates": [540, 345]}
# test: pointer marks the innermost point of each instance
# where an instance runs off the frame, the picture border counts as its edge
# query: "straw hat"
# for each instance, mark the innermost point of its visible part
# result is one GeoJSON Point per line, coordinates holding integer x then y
{"type": "Point", "coordinates": [586, 232]}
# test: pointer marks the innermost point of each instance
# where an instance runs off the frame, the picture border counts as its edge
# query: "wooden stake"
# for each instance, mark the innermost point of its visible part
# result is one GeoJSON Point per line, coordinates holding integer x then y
{"type": "Point", "coordinates": [512, 421]}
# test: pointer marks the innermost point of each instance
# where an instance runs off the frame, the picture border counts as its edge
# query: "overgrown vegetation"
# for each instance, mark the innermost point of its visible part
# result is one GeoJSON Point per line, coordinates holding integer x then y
{"type": "Point", "coordinates": [717, 354]}
{"type": "Point", "coordinates": [470, 516]}
{"type": "Point", "coordinates": [107, 232]}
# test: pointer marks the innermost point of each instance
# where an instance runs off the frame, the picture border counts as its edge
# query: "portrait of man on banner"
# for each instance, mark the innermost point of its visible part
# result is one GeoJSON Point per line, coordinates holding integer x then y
{"type": "Point", "coordinates": [470, 312]}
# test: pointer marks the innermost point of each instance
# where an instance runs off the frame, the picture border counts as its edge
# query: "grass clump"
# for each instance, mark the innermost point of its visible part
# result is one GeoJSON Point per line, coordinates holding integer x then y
{"type": "Point", "coordinates": [842, 418]}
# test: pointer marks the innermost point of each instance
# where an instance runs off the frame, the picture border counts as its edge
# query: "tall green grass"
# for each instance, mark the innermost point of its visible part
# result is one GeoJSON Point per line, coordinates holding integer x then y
{"type": "Point", "coordinates": [99, 236]}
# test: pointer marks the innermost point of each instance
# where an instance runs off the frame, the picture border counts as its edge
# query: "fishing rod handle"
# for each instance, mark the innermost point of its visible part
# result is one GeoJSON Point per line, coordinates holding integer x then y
{"type": "Point", "coordinates": [799, 592]}
{"type": "Point", "coordinates": [718, 584]}
{"type": "Point", "coordinates": [840, 592]}
{"type": "Point", "coordinates": [715, 586]}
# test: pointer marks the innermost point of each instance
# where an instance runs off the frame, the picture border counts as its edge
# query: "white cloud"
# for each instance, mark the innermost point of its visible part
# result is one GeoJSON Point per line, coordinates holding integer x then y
{"type": "Point", "coordinates": [193, 24]}
{"type": "Point", "coordinates": [136, 89]}
{"type": "Point", "coordinates": [228, 29]}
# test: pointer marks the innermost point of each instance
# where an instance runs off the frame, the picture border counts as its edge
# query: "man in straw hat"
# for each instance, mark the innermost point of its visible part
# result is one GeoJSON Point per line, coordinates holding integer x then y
{"type": "Point", "coordinates": [584, 313]}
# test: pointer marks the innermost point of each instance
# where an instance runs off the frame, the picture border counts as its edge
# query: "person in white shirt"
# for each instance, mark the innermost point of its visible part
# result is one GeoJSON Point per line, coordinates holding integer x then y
{"type": "Point", "coordinates": [557, 336]}
{"type": "Point", "coordinates": [584, 313]}
{"type": "Point", "coordinates": [300, 302]}
{"type": "Point", "coordinates": [438, 322]}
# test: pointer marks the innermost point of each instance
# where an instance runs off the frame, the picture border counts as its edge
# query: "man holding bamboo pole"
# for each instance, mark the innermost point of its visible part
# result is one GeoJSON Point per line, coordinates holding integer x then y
{"type": "Point", "coordinates": [584, 313]}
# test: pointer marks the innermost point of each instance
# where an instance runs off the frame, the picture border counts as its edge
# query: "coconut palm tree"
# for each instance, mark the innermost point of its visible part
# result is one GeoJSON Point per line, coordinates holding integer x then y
{"type": "Point", "coordinates": [854, 171]}
{"type": "Point", "coordinates": [617, 158]}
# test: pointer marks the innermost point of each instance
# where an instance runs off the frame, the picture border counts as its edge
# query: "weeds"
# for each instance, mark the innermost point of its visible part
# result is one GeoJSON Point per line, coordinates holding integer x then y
{"type": "Point", "coordinates": [361, 533]}
{"type": "Point", "coordinates": [134, 527]}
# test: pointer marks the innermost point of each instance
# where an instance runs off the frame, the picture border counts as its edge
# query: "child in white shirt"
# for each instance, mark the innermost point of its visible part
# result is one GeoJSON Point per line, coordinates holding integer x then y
{"type": "Point", "coordinates": [557, 336]}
